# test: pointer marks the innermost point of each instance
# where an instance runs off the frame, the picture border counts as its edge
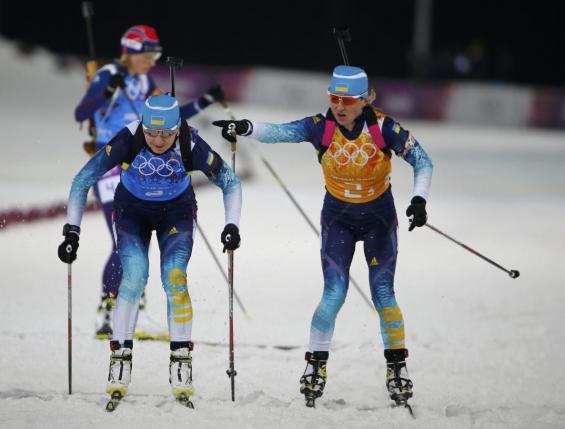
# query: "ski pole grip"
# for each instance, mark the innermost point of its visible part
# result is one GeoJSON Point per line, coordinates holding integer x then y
{"type": "Point", "coordinates": [233, 133]}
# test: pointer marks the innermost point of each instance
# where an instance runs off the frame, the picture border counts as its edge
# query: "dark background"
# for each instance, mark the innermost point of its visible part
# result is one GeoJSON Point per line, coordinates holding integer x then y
{"type": "Point", "coordinates": [497, 40]}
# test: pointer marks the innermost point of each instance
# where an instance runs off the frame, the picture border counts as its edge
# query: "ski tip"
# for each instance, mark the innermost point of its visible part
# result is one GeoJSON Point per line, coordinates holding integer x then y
{"type": "Point", "coordinates": [185, 401]}
{"type": "Point", "coordinates": [406, 405]}
{"type": "Point", "coordinates": [148, 336]}
{"type": "Point", "coordinates": [114, 401]}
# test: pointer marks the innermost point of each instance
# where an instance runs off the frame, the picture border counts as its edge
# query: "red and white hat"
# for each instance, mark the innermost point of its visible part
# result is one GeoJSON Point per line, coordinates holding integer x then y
{"type": "Point", "coordinates": [139, 39]}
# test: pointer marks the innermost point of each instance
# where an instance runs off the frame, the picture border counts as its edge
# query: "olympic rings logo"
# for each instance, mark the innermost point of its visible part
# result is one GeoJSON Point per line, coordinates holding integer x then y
{"type": "Point", "coordinates": [154, 165]}
{"type": "Point", "coordinates": [350, 152]}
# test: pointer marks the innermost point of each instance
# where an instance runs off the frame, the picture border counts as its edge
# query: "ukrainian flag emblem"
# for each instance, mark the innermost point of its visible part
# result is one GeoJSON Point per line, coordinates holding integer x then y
{"type": "Point", "coordinates": [210, 159]}
{"type": "Point", "coordinates": [342, 88]}
{"type": "Point", "coordinates": [396, 128]}
{"type": "Point", "coordinates": [157, 120]}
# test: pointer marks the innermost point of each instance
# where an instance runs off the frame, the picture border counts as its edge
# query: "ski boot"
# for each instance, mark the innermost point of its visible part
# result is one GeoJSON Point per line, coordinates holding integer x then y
{"type": "Point", "coordinates": [119, 375]}
{"type": "Point", "coordinates": [180, 372]}
{"type": "Point", "coordinates": [104, 317]}
{"type": "Point", "coordinates": [398, 384]}
{"type": "Point", "coordinates": [146, 327]}
{"type": "Point", "coordinates": [313, 380]}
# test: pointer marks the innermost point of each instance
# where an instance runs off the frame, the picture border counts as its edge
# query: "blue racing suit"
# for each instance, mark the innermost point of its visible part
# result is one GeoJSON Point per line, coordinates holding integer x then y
{"type": "Point", "coordinates": [155, 193]}
{"type": "Point", "coordinates": [109, 118]}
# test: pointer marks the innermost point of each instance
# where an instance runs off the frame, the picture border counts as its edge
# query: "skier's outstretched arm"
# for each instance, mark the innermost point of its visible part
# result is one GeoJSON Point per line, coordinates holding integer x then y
{"type": "Point", "coordinates": [265, 132]}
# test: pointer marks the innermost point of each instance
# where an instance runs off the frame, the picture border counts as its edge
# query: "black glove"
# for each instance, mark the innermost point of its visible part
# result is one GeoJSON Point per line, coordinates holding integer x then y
{"type": "Point", "coordinates": [68, 248]}
{"type": "Point", "coordinates": [116, 81]}
{"type": "Point", "coordinates": [230, 237]}
{"type": "Point", "coordinates": [417, 209]}
{"type": "Point", "coordinates": [241, 128]}
{"type": "Point", "coordinates": [214, 94]}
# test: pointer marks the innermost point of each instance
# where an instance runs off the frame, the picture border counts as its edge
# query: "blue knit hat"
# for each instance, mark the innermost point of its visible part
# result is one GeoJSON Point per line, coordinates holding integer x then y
{"type": "Point", "coordinates": [349, 81]}
{"type": "Point", "coordinates": [161, 111]}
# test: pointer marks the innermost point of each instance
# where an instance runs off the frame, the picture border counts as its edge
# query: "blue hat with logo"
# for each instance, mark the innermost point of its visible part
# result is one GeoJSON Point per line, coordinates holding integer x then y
{"type": "Point", "coordinates": [161, 111]}
{"type": "Point", "coordinates": [349, 81]}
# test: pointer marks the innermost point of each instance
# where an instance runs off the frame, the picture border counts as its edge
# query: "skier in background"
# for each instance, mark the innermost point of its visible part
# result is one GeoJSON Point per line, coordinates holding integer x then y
{"type": "Point", "coordinates": [115, 98]}
{"type": "Point", "coordinates": [156, 156]}
{"type": "Point", "coordinates": [354, 142]}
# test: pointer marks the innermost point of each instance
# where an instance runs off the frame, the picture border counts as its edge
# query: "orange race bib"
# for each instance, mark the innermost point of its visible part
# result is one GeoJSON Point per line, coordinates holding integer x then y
{"type": "Point", "coordinates": [355, 171]}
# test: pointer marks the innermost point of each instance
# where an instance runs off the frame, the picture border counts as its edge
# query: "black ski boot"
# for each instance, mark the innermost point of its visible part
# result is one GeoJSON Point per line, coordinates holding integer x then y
{"type": "Point", "coordinates": [398, 384]}
{"type": "Point", "coordinates": [313, 381]}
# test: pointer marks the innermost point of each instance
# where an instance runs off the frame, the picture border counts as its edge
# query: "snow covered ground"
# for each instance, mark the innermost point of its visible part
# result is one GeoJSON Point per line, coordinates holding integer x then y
{"type": "Point", "coordinates": [485, 350]}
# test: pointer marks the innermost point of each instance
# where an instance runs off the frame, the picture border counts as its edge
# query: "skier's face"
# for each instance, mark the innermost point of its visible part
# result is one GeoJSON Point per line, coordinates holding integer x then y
{"type": "Point", "coordinates": [141, 63]}
{"type": "Point", "coordinates": [346, 109]}
{"type": "Point", "coordinates": [160, 144]}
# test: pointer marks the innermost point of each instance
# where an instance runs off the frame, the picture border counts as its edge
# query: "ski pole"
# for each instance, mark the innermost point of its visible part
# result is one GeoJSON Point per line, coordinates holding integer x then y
{"type": "Point", "coordinates": [175, 63]}
{"type": "Point", "coordinates": [131, 105]}
{"type": "Point", "coordinates": [113, 103]}
{"type": "Point", "coordinates": [110, 107]}
{"type": "Point", "coordinates": [70, 323]}
{"type": "Point", "coordinates": [219, 265]}
{"type": "Point", "coordinates": [300, 210]}
{"type": "Point", "coordinates": [231, 371]}
{"type": "Point", "coordinates": [512, 273]}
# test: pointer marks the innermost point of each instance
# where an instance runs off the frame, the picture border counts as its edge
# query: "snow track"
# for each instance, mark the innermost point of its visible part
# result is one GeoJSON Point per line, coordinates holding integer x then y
{"type": "Point", "coordinates": [485, 350]}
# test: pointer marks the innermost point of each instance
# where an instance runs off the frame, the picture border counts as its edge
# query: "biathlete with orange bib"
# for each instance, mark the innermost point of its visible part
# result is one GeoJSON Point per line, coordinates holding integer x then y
{"type": "Point", "coordinates": [354, 142]}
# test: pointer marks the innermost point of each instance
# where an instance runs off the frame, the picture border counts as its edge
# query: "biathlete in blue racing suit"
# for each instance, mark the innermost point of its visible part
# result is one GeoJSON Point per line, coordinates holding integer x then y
{"type": "Point", "coordinates": [156, 157]}
{"type": "Point", "coordinates": [114, 98]}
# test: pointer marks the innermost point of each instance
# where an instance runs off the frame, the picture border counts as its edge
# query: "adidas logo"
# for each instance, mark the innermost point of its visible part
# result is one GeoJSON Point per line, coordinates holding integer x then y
{"type": "Point", "coordinates": [373, 262]}
{"type": "Point", "coordinates": [173, 230]}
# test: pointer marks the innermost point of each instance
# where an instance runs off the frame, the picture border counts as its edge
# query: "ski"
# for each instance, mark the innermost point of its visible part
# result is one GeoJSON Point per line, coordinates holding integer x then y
{"type": "Point", "coordinates": [185, 401]}
{"type": "Point", "coordinates": [406, 405]}
{"type": "Point", "coordinates": [142, 336]}
{"type": "Point", "coordinates": [114, 401]}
